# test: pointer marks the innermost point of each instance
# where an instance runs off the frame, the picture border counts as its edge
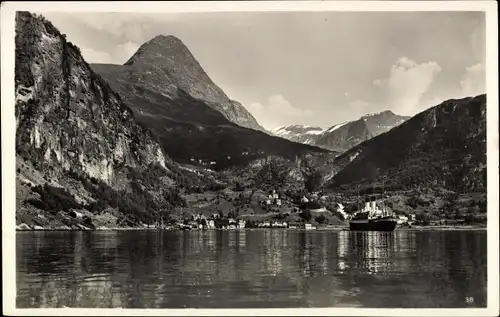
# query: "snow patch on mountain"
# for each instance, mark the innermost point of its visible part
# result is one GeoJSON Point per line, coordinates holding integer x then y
{"type": "Point", "coordinates": [335, 127]}
{"type": "Point", "coordinates": [315, 132]}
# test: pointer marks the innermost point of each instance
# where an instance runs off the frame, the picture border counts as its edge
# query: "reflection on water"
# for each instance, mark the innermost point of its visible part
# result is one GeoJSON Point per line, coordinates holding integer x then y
{"type": "Point", "coordinates": [258, 268]}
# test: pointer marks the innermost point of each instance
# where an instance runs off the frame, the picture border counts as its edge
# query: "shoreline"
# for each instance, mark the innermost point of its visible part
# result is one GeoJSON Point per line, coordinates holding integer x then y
{"type": "Point", "coordinates": [423, 228]}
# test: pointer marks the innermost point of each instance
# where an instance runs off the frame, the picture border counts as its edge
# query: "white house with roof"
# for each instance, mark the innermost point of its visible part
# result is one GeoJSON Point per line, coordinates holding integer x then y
{"type": "Point", "coordinates": [274, 195]}
{"type": "Point", "coordinates": [401, 219]}
{"type": "Point", "coordinates": [241, 224]}
{"type": "Point", "coordinates": [309, 226]}
{"type": "Point", "coordinates": [265, 224]}
{"type": "Point", "coordinates": [210, 224]}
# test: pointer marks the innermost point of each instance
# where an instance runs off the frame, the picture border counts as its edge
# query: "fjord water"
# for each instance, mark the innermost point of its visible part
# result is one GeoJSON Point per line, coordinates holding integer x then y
{"type": "Point", "coordinates": [251, 269]}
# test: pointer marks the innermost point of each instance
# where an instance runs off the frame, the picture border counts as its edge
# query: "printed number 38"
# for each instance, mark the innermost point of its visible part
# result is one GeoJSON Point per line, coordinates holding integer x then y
{"type": "Point", "coordinates": [469, 300]}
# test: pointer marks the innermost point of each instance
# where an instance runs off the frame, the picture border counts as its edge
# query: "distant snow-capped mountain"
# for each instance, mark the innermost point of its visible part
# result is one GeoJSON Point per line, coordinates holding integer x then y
{"type": "Point", "coordinates": [298, 133]}
{"type": "Point", "coordinates": [341, 137]}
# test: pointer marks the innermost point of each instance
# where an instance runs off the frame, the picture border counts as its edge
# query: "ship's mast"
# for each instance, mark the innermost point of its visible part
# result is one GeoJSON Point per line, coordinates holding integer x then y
{"type": "Point", "coordinates": [358, 200]}
{"type": "Point", "coordinates": [384, 212]}
{"type": "Point", "coordinates": [369, 207]}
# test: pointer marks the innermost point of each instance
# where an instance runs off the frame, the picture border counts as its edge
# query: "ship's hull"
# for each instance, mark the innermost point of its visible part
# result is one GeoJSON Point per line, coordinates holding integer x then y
{"type": "Point", "coordinates": [383, 224]}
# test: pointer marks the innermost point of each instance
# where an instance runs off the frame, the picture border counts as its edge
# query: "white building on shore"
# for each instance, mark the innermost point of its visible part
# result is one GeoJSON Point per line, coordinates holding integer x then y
{"type": "Point", "coordinates": [340, 209]}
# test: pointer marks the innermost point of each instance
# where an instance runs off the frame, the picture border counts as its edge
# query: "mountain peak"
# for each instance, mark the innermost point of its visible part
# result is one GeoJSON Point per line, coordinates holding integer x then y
{"type": "Point", "coordinates": [165, 39]}
{"type": "Point", "coordinates": [163, 46]}
{"type": "Point", "coordinates": [382, 113]}
{"type": "Point", "coordinates": [164, 64]}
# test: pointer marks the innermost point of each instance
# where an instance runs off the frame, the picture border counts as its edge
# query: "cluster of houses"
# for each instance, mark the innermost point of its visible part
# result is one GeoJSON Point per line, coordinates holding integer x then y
{"type": "Point", "coordinates": [228, 157]}
{"type": "Point", "coordinates": [448, 222]}
{"type": "Point", "coordinates": [313, 197]}
{"type": "Point", "coordinates": [213, 222]}
{"type": "Point", "coordinates": [202, 162]}
{"type": "Point", "coordinates": [292, 225]}
{"type": "Point", "coordinates": [246, 153]}
{"type": "Point", "coordinates": [403, 220]}
{"type": "Point", "coordinates": [276, 224]}
{"type": "Point", "coordinates": [199, 161]}
{"type": "Point", "coordinates": [272, 199]}
{"type": "Point", "coordinates": [202, 222]}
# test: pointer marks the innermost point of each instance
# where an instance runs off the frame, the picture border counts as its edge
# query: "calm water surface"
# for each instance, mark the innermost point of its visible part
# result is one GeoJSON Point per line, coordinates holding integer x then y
{"type": "Point", "coordinates": [254, 269]}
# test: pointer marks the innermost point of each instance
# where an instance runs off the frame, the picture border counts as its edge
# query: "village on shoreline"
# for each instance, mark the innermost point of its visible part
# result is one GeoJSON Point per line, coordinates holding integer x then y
{"type": "Point", "coordinates": [274, 207]}
{"type": "Point", "coordinates": [309, 215]}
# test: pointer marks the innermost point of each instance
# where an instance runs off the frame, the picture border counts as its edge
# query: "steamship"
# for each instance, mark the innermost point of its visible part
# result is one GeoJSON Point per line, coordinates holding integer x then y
{"type": "Point", "coordinates": [371, 218]}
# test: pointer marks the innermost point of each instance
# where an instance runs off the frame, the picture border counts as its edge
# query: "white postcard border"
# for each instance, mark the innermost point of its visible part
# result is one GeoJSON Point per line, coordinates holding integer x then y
{"type": "Point", "coordinates": [8, 148]}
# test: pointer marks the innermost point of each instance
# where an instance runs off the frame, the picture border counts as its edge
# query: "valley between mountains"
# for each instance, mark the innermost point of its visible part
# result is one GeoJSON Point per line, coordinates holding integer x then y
{"type": "Point", "coordinates": [156, 141]}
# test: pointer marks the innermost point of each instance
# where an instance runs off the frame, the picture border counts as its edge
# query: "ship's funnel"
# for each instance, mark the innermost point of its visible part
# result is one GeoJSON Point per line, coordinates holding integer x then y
{"type": "Point", "coordinates": [374, 205]}
{"type": "Point", "coordinates": [367, 205]}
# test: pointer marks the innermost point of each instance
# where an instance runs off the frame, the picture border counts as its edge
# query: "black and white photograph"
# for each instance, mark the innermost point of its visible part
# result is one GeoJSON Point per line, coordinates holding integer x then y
{"type": "Point", "coordinates": [317, 157]}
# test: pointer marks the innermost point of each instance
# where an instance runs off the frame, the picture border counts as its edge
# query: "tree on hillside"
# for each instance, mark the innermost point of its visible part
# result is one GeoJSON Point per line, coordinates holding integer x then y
{"type": "Point", "coordinates": [249, 200]}
{"type": "Point", "coordinates": [232, 214]}
{"type": "Point", "coordinates": [450, 204]}
{"type": "Point", "coordinates": [320, 219]}
{"type": "Point", "coordinates": [423, 218]}
{"type": "Point", "coordinates": [311, 205]}
{"type": "Point", "coordinates": [312, 182]}
{"type": "Point", "coordinates": [306, 215]}
{"type": "Point", "coordinates": [351, 207]}
{"type": "Point", "coordinates": [239, 187]}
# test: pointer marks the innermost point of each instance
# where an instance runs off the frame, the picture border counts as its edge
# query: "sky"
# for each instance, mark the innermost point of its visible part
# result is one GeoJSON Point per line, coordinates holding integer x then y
{"type": "Point", "coordinates": [310, 68]}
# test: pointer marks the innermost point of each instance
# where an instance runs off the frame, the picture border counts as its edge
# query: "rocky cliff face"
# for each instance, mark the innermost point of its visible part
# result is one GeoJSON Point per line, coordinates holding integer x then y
{"type": "Point", "coordinates": [342, 137]}
{"type": "Point", "coordinates": [67, 117]}
{"type": "Point", "coordinates": [444, 146]}
{"type": "Point", "coordinates": [82, 158]}
{"type": "Point", "coordinates": [165, 65]}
